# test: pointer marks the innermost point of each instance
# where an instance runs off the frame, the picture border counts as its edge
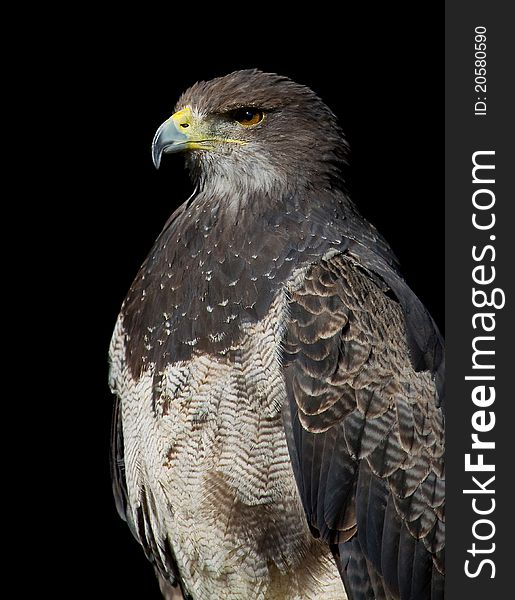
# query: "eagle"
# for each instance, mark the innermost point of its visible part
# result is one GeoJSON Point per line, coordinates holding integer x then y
{"type": "Point", "coordinates": [278, 429]}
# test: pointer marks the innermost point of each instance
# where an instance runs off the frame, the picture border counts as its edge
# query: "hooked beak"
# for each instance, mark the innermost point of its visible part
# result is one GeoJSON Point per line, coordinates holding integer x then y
{"type": "Point", "coordinates": [182, 131]}
{"type": "Point", "coordinates": [173, 135]}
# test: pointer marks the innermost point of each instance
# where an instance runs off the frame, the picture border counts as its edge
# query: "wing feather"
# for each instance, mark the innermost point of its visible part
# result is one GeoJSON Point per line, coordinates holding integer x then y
{"type": "Point", "coordinates": [366, 428]}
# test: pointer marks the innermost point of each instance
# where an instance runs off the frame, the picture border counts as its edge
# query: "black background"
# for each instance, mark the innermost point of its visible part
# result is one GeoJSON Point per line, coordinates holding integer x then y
{"type": "Point", "coordinates": [380, 70]}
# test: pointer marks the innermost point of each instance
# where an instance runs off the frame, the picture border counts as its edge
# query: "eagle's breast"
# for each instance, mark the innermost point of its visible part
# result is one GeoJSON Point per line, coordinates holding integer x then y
{"type": "Point", "coordinates": [208, 447]}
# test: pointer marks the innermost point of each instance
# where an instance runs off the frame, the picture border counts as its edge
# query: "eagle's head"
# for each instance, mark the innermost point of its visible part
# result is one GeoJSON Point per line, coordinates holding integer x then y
{"type": "Point", "coordinates": [253, 131]}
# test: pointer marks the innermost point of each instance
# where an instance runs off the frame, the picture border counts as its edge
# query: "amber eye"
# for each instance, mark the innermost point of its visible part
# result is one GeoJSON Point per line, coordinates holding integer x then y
{"type": "Point", "coordinates": [247, 116]}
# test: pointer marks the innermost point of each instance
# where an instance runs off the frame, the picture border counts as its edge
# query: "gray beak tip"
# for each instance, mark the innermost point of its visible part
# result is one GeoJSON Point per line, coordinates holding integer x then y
{"type": "Point", "coordinates": [166, 140]}
{"type": "Point", "coordinates": [156, 156]}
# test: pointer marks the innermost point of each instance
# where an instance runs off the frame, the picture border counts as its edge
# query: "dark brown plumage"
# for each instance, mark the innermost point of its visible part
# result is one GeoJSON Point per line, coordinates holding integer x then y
{"type": "Point", "coordinates": [268, 280]}
{"type": "Point", "coordinates": [367, 434]}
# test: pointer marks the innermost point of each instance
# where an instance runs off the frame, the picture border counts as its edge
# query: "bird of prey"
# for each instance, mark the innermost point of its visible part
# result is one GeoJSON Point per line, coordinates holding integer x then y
{"type": "Point", "coordinates": [278, 424]}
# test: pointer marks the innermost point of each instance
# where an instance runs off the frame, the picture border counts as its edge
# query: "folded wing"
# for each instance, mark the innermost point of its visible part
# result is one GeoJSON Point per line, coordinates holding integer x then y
{"type": "Point", "coordinates": [365, 428]}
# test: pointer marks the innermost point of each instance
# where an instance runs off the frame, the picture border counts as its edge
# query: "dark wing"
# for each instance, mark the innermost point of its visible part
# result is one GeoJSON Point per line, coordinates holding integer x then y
{"type": "Point", "coordinates": [365, 430]}
{"type": "Point", "coordinates": [160, 556]}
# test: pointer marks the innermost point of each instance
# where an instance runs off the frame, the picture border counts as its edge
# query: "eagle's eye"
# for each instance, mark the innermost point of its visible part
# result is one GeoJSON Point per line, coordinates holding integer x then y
{"type": "Point", "coordinates": [247, 116]}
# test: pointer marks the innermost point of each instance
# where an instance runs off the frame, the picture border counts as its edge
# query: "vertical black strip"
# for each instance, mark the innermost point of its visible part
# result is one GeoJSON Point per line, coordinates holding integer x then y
{"type": "Point", "coordinates": [467, 133]}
